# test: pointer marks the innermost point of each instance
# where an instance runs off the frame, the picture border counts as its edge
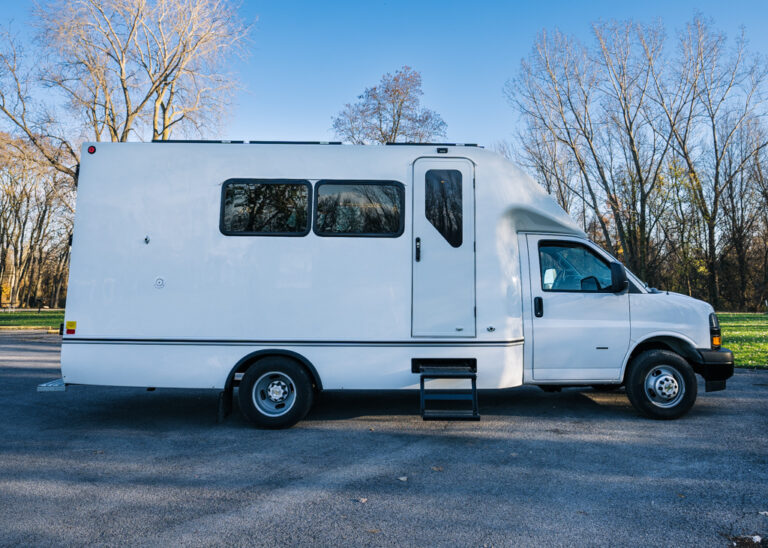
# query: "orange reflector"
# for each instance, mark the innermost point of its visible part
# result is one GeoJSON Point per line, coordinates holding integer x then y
{"type": "Point", "coordinates": [716, 340]}
{"type": "Point", "coordinates": [70, 328]}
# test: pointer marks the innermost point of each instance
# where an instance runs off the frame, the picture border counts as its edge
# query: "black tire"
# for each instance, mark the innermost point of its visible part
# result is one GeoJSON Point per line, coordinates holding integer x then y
{"type": "Point", "coordinates": [661, 384]}
{"type": "Point", "coordinates": [275, 392]}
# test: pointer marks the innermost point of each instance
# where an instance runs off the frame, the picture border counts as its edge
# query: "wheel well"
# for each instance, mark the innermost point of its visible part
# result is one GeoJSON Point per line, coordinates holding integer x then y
{"type": "Point", "coordinates": [245, 362]}
{"type": "Point", "coordinates": [678, 346]}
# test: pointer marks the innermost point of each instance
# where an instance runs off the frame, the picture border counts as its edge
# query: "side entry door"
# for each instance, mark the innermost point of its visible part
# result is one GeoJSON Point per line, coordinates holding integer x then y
{"type": "Point", "coordinates": [443, 248]}
{"type": "Point", "coordinates": [581, 329]}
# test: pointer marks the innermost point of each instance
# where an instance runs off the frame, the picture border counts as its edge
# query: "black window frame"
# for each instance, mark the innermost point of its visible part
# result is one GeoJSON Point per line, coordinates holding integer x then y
{"type": "Point", "coordinates": [568, 243]}
{"type": "Point", "coordinates": [263, 181]}
{"type": "Point", "coordinates": [359, 182]}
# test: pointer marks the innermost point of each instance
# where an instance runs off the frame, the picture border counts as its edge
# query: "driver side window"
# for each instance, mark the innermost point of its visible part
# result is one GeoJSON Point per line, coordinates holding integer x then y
{"type": "Point", "coordinates": [570, 266]}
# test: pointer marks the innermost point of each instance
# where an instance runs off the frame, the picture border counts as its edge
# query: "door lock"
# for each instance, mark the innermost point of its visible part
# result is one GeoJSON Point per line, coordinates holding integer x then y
{"type": "Point", "coordinates": [418, 249]}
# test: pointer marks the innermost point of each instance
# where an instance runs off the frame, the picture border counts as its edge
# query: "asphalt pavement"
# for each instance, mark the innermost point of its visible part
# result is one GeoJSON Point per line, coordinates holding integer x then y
{"type": "Point", "coordinates": [117, 466]}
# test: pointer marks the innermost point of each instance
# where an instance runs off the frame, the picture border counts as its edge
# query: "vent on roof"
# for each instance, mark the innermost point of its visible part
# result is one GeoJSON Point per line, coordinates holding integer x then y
{"type": "Point", "coordinates": [436, 144]}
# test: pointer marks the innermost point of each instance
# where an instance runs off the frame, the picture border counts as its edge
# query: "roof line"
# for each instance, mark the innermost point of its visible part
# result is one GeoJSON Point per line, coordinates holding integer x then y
{"type": "Point", "coordinates": [205, 141]}
{"type": "Point", "coordinates": [225, 141]}
{"type": "Point", "coordinates": [435, 144]}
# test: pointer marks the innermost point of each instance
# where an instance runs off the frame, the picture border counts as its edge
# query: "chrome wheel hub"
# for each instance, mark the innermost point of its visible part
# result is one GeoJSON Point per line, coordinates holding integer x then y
{"type": "Point", "coordinates": [664, 386]}
{"type": "Point", "coordinates": [274, 394]}
{"type": "Point", "coordinates": [277, 391]}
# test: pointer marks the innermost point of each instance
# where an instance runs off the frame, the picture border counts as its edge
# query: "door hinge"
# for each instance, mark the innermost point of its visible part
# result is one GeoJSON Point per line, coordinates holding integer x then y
{"type": "Point", "coordinates": [475, 312]}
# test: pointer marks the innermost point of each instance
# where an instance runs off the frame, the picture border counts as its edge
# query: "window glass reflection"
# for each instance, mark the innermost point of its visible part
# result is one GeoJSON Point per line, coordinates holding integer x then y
{"type": "Point", "coordinates": [266, 207]}
{"type": "Point", "coordinates": [359, 208]}
{"type": "Point", "coordinates": [443, 203]}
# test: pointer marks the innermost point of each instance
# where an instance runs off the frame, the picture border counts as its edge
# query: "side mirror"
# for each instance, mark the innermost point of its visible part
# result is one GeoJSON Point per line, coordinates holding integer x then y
{"type": "Point", "coordinates": [619, 280]}
{"type": "Point", "coordinates": [590, 283]}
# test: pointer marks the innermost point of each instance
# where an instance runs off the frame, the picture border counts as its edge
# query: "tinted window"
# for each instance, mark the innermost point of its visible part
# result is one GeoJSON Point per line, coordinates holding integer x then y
{"type": "Point", "coordinates": [572, 267]}
{"type": "Point", "coordinates": [443, 203]}
{"type": "Point", "coordinates": [261, 207]}
{"type": "Point", "coordinates": [359, 208]}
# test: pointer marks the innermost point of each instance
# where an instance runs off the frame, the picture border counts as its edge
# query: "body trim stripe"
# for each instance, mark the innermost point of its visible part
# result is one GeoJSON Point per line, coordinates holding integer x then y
{"type": "Point", "coordinates": [226, 342]}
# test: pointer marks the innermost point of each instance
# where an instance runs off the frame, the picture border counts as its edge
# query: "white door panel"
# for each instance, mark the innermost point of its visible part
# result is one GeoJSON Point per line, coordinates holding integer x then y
{"type": "Point", "coordinates": [581, 334]}
{"type": "Point", "coordinates": [443, 248]}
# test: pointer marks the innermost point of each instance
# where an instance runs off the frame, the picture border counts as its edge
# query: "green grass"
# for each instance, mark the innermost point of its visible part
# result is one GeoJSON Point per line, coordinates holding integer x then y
{"type": "Point", "coordinates": [747, 336]}
{"type": "Point", "coordinates": [31, 318]}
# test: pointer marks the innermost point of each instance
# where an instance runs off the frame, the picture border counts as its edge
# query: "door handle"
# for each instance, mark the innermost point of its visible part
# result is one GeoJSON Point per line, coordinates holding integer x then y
{"type": "Point", "coordinates": [418, 249]}
{"type": "Point", "coordinates": [538, 307]}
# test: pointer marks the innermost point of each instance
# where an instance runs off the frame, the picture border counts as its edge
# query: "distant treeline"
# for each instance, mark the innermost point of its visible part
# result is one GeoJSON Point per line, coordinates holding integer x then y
{"type": "Point", "coordinates": [658, 146]}
{"type": "Point", "coordinates": [35, 226]}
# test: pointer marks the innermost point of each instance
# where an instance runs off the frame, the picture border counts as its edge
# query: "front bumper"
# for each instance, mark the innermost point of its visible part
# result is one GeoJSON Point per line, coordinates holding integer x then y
{"type": "Point", "coordinates": [716, 366]}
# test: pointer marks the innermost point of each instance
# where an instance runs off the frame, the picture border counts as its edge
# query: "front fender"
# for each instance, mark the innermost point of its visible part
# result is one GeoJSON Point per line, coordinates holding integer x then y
{"type": "Point", "coordinates": [671, 340]}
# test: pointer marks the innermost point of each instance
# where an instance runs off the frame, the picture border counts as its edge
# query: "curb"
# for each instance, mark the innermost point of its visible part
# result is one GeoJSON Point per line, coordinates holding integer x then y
{"type": "Point", "coordinates": [46, 328]}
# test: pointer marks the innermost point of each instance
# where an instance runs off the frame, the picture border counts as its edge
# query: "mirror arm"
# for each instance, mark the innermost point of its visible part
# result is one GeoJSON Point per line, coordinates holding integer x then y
{"type": "Point", "coordinates": [619, 280]}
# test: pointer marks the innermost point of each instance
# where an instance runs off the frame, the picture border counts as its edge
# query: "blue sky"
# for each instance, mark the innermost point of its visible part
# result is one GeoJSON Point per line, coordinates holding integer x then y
{"type": "Point", "coordinates": [309, 58]}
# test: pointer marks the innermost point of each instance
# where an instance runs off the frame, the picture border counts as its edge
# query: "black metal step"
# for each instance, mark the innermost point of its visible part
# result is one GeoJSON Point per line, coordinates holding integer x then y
{"type": "Point", "coordinates": [448, 396]}
{"type": "Point", "coordinates": [449, 415]}
{"type": "Point", "coordinates": [435, 371]}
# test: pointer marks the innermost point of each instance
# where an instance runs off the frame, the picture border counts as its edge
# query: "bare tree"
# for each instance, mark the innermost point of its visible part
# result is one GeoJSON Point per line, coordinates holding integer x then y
{"type": "Point", "coordinates": [667, 148]}
{"type": "Point", "coordinates": [552, 165]}
{"type": "Point", "coordinates": [716, 95]}
{"type": "Point", "coordinates": [34, 228]}
{"type": "Point", "coordinates": [390, 112]}
{"type": "Point", "coordinates": [554, 94]}
{"type": "Point", "coordinates": [118, 66]}
{"type": "Point", "coordinates": [117, 60]}
{"type": "Point", "coordinates": [760, 235]}
{"type": "Point", "coordinates": [591, 127]}
{"type": "Point", "coordinates": [741, 205]}
{"type": "Point", "coordinates": [27, 117]}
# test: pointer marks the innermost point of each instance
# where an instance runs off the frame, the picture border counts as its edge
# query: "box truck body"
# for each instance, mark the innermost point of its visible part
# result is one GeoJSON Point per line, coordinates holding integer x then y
{"type": "Point", "coordinates": [358, 265]}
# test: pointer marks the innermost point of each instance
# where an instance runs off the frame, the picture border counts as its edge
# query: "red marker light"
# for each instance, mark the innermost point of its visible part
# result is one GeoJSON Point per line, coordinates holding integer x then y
{"type": "Point", "coordinates": [91, 149]}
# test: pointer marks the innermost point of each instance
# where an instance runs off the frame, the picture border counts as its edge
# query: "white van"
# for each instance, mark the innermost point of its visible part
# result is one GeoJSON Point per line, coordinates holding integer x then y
{"type": "Point", "coordinates": [288, 268]}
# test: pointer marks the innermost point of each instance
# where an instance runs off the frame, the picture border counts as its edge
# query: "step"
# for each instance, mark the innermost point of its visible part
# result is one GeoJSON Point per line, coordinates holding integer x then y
{"type": "Point", "coordinates": [447, 373]}
{"type": "Point", "coordinates": [449, 414]}
{"type": "Point", "coordinates": [442, 394]}
{"type": "Point", "coordinates": [448, 397]}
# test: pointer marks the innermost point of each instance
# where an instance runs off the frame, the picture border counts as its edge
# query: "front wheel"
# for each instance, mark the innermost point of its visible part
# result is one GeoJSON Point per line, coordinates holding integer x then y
{"type": "Point", "coordinates": [275, 392]}
{"type": "Point", "coordinates": [661, 384]}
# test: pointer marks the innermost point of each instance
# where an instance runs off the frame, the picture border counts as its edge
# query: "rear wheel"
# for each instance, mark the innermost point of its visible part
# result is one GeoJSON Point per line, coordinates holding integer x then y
{"type": "Point", "coordinates": [661, 384]}
{"type": "Point", "coordinates": [275, 392]}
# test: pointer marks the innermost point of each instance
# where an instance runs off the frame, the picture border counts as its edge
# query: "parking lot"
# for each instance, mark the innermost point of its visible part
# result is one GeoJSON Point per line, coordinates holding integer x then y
{"type": "Point", "coordinates": [126, 466]}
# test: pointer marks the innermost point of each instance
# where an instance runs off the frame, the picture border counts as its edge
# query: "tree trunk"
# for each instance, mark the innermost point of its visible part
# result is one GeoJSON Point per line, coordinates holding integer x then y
{"type": "Point", "coordinates": [712, 267]}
